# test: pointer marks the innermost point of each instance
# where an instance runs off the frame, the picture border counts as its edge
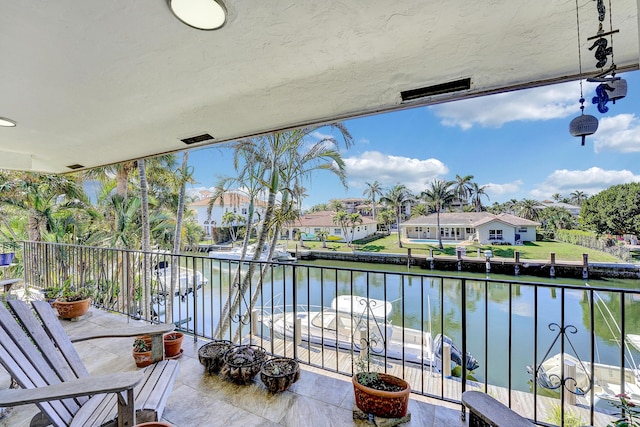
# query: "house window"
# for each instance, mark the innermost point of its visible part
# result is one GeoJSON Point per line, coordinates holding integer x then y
{"type": "Point", "coordinates": [358, 229]}
{"type": "Point", "coordinates": [495, 234]}
{"type": "Point", "coordinates": [470, 230]}
{"type": "Point", "coordinates": [337, 231]}
{"type": "Point", "coordinates": [316, 230]}
{"type": "Point", "coordinates": [244, 211]}
{"type": "Point", "coordinates": [522, 230]}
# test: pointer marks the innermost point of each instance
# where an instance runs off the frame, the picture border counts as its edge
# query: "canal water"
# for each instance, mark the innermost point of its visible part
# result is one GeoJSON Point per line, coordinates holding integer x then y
{"type": "Point", "coordinates": [500, 316]}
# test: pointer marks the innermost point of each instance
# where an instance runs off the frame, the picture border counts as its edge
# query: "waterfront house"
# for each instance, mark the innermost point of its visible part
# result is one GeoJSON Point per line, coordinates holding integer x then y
{"type": "Point", "coordinates": [484, 227]}
{"type": "Point", "coordinates": [314, 222]}
{"type": "Point", "coordinates": [229, 202]}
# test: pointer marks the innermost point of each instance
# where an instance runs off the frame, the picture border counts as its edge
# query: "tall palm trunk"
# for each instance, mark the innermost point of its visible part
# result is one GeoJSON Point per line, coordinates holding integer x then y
{"type": "Point", "coordinates": [438, 229]}
{"type": "Point", "coordinates": [177, 240]}
{"type": "Point", "coordinates": [146, 240]}
{"type": "Point", "coordinates": [232, 305]}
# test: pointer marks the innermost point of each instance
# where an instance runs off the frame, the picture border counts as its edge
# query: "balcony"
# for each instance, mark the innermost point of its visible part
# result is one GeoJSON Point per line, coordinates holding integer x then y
{"type": "Point", "coordinates": [508, 325]}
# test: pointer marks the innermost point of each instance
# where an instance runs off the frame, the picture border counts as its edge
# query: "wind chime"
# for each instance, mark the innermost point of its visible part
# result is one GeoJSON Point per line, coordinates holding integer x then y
{"type": "Point", "coordinates": [611, 87]}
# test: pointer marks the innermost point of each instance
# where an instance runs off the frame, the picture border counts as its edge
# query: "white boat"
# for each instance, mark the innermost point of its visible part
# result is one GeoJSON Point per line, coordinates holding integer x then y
{"type": "Point", "coordinates": [235, 254]}
{"type": "Point", "coordinates": [606, 384]}
{"type": "Point", "coordinates": [189, 280]}
{"type": "Point", "coordinates": [352, 318]}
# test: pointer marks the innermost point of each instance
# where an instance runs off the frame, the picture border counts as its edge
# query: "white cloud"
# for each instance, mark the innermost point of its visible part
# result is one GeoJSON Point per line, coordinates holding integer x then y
{"type": "Point", "coordinates": [542, 103]}
{"type": "Point", "coordinates": [619, 133]}
{"type": "Point", "coordinates": [389, 170]}
{"type": "Point", "coordinates": [498, 190]}
{"type": "Point", "coordinates": [591, 181]}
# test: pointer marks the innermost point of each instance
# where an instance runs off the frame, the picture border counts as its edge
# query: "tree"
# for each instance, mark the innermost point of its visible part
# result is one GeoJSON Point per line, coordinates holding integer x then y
{"type": "Point", "coordinates": [419, 210]}
{"type": "Point", "coordinates": [556, 197]}
{"type": "Point", "coordinates": [341, 219]}
{"type": "Point", "coordinates": [354, 220]}
{"type": "Point", "coordinates": [578, 197]}
{"type": "Point", "coordinates": [615, 210]}
{"type": "Point", "coordinates": [462, 188]}
{"type": "Point", "coordinates": [438, 195]}
{"type": "Point", "coordinates": [396, 197]}
{"type": "Point", "coordinates": [554, 218]}
{"type": "Point", "coordinates": [232, 221]}
{"type": "Point", "coordinates": [373, 189]}
{"type": "Point", "coordinates": [386, 218]}
{"type": "Point", "coordinates": [476, 194]}
{"type": "Point", "coordinates": [528, 209]}
{"type": "Point", "coordinates": [336, 205]}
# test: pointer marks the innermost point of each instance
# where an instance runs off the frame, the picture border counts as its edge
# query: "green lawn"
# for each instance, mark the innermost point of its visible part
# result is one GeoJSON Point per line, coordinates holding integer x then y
{"type": "Point", "coordinates": [530, 250]}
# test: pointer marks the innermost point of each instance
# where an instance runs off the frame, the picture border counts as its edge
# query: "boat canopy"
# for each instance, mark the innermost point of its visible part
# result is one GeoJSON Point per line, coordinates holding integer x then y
{"type": "Point", "coordinates": [359, 305]}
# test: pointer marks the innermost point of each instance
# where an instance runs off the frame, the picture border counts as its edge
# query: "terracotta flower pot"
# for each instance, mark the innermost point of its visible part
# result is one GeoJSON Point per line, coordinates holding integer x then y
{"type": "Point", "coordinates": [211, 355]}
{"type": "Point", "coordinates": [387, 404]}
{"type": "Point", "coordinates": [70, 310]}
{"type": "Point", "coordinates": [143, 358]}
{"type": "Point", "coordinates": [154, 424]}
{"type": "Point", "coordinates": [172, 343]}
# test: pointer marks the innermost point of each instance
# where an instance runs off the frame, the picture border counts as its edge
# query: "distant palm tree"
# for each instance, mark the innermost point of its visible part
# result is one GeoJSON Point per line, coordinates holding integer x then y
{"type": "Point", "coordinates": [476, 194]}
{"type": "Point", "coordinates": [577, 197]}
{"type": "Point", "coordinates": [354, 220]}
{"type": "Point", "coordinates": [557, 197]}
{"type": "Point", "coordinates": [462, 188]}
{"type": "Point", "coordinates": [527, 209]}
{"type": "Point", "coordinates": [419, 210]}
{"type": "Point", "coordinates": [336, 205]}
{"type": "Point", "coordinates": [396, 197]}
{"type": "Point", "coordinates": [341, 218]}
{"type": "Point", "coordinates": [373, 189]}
{"type": "Point", "coordinates": [438, 195]}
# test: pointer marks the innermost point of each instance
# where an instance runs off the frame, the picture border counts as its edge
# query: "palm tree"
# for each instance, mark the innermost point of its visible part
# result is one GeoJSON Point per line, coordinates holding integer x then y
{"type": "Point", "coordinates": [396, 197]}
{"type": "Point", "coordinates": [476, 194]}
{"type": "Point", "coordinates": [462, 188]}
{"type": "Point", "coordinates": [232, 221]}
{"type": "Point", "coordinates": [336, 205]}
{"type": "Point", "coordinates": [578, 197]}
{"type": "Point", "coordinates": [354, 220]}
{"type": "Point", "coordinates": [341, 218]}
{"type": "Point", "coordinates": [438, 195]}
{"type": "Point", "coordinates": [557, 197]}
{"type": "Point", "coordinates": [373, 189]}
{"type": "Point", "coordinates": [419, 210]}
{"type": "Point", "coordinates": [287, 159]}
{"type": "Point", "coordinates": [386, 218]}
{"type": "Point", "coordinates": [527, 209]}
{"type": "Point", "coordinates": [322, 235]}
{"type": "Point", "coordinates": [146, 240]}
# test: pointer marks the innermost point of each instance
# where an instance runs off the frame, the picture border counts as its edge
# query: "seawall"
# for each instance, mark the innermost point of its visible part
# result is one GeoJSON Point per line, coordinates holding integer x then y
{"type": "Point", "coordinates": [540, 268]}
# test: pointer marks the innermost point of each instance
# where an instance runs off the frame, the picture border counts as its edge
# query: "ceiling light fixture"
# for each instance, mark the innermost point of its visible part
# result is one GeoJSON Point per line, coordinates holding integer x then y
{"type": "Point", "coordinates": [199, 14]}
{"type": "Point", "coordinates": [4, 122]}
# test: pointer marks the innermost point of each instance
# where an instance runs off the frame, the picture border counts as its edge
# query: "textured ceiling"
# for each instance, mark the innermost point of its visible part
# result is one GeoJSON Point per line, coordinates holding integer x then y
{"type": "Point", "coordinates": [97, 82]}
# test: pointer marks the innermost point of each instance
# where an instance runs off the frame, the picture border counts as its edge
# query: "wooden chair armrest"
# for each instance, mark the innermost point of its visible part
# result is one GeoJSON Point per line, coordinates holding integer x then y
{"type": "Point", "coordinates": [110, 383]}
{"type": "Point", "coordinates": [125, 333]}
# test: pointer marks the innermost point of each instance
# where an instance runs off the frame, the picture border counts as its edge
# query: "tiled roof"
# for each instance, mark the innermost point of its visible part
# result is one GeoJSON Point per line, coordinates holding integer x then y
{"type": "Point", "coordinates": [323, 219]}
{"type": "Point", "coordinates": [468, 219]}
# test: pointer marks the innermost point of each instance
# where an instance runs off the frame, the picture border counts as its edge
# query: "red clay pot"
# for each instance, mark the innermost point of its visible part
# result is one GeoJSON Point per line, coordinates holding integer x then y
{"type": "Point", "coordinates": [386, 404]}
{"type": "Point", "coordinates": [172, 343]}
{"type": "Point", "coordinates": [70, 310]}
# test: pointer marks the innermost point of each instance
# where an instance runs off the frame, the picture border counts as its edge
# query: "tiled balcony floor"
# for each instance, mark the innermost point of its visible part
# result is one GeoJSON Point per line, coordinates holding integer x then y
{"type": "Point", "coordinates": [319, 398]}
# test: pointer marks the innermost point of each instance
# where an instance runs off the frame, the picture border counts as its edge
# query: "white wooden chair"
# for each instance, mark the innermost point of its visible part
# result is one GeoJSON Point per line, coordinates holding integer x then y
{"type": "Point", "coordinates": [39, 355]}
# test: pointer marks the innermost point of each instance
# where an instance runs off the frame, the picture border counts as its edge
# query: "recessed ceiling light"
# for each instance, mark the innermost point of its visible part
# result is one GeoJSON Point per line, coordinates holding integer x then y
{"type": "Point", "coordinates": [200, 14]}
{"type": "Point", "coordinates": [7, 123]}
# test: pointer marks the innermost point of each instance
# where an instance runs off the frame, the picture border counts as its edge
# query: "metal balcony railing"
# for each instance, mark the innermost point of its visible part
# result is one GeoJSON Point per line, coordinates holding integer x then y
{"type": "Point", "coordinates": [576, 340]}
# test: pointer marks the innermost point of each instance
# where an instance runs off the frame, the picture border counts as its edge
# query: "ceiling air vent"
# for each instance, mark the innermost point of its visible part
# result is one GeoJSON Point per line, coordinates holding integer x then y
{"type": "Point", "coordinates": [76, 166]}
{"type": "Point", "coordinates": [423, 92]}
{"type": "Point", "coordinates": [198, 138]}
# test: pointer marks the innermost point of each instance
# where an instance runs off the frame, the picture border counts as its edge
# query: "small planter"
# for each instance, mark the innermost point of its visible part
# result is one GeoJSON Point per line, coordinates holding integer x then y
{"type": "Point", "coordinates": [211, 355]}
{"type": "Point", "coordinates": [242, 363]}
{"type": "Point", "coordinates": [142, 354]}
{"type": "Point", "coordinates": [278, 374]}
{"type": "Point", "coordinates": [154, 424]}
{"type": "Point", "coordinates": [71, 310]}
{"type": "Point", "coordinates": [386, 404]}
{"type": "Point", "coordinates": [6, 258]}
{"type": "Point", "coordinates": [172, 344]}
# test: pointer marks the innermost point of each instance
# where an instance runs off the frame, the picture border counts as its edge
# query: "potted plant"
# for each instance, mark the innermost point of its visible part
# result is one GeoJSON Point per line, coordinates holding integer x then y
{"type": "Point", "coordinates": [279, 373]}
{"type": "Point", "coordinates": [50, 294]}
{"type": "Point", "coordinates": [211, 355]}
{"type": "Point", "coordinates": [142, 352]}
{"type": "Point", "coordinates": [242, 363]}
{"type": "Point", "coordinates": [72, 303]}
{"type": "Point", "coordinates": [172, 344]}
{"type": "Point", "coordinates": [383, 395]}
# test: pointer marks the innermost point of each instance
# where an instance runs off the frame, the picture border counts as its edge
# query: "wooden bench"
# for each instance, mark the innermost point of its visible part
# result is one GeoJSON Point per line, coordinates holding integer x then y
{"type": "Point", "coordinates": [486, 411]}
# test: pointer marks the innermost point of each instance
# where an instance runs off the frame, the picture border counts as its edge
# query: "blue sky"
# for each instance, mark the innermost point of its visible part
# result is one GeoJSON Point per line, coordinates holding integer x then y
{"type": "Point", "coordinates": [516, 143]}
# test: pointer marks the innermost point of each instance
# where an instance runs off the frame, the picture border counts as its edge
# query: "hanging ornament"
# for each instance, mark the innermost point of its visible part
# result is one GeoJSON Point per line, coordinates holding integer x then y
{"type": "Point", "coordinates": [583, 125]}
